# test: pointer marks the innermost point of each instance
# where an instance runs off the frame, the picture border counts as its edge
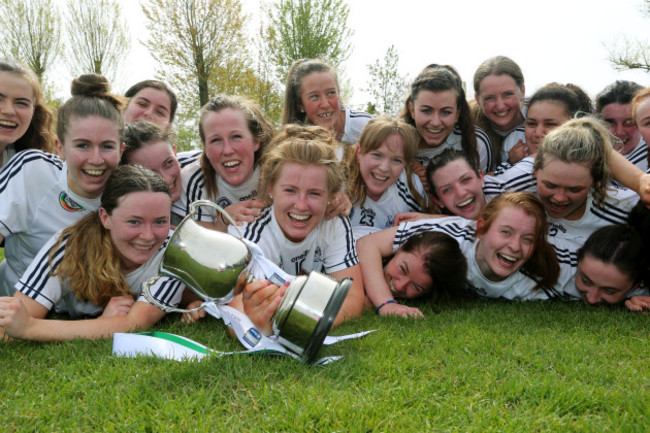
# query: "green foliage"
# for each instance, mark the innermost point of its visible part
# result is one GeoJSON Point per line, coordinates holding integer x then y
{"type": "Point", "coordinates": [31, 33]}
{"type": "Point", "coordinates": [97, 35]}
{"type": "Point", "coordinates": [302, 29]}
{"type": "Point", "coordinates": [473, 367]}
{"type": "Point", "coordinates": [387, 87]}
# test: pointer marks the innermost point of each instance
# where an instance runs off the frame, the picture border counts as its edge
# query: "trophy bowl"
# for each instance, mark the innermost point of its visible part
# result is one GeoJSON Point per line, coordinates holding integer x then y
{"type": "Point", "coordinates": [307, 311]}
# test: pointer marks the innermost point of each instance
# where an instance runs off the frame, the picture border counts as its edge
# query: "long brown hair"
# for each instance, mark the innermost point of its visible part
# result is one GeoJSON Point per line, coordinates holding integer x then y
{"type": "Point", "coordinates": [91, 264]}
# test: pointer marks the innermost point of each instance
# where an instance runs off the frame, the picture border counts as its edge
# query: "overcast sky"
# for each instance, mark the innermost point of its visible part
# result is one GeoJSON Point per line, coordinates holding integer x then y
{"type": "Point", "coordinates": [552, 40]}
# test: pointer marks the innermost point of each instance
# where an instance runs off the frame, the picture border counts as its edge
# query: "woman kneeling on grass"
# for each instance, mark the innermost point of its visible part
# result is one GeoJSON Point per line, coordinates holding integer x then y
{"type": "Point", "coordinates": [95, 267]}
{"type": "Point", "coordinates": [506, 251]}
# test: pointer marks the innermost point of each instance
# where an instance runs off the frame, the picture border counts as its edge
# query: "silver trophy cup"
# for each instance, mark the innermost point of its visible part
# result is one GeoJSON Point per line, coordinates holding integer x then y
{"type": "Point", "coordinates": [213, 264]}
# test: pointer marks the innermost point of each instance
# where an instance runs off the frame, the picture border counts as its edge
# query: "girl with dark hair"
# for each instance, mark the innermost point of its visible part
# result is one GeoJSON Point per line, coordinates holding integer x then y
{"type": "Point", "coordinates": [26, 120]}
{"type": "Point", "coordinates": [438, 109]}
{"type": "Point", "coordinates": [95, 267]}
{"type": "Point", "coordinates": [153, 101]}
{"type": "Point", "coordinates": [40, 194]}
{"type": "Point", "coordinates": [506, 250]}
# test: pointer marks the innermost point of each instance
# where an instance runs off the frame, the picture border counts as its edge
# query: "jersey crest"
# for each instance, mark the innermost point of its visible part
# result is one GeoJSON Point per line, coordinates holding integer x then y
{"type": "Point", "coordinates": [68, 203]}
{"type": "Point", "coordinates": [223, 202]}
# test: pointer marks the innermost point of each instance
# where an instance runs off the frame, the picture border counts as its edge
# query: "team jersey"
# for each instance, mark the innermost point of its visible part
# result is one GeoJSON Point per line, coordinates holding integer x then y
{"type": "Point", "coordinates": [639, 155]}
{"type": "Point", "coordinates": [396, 199]}
{"type": "Point", "coordinates": [454, 141]}
{"type": "Point", "coordinates": [510, 140]}
{"type": "Point", "coordinates": [53, 293]}
{"type": "Point", "coordinates": [188, 157]}
{"type": "Point", "coordinates": [35, 203]}
{"type": "Point", "coordinates": [516, 287]}
{"type": "Point", "coordinates": [7, 154]}
{"type": "Point", "coordinates": [355, 121]}
{"type": "Point", "coordinates": [328, 248]}
{"type": "Point", "coordinates": [194, 189]}
{"type": "Point", "coordinates": [614, 209]}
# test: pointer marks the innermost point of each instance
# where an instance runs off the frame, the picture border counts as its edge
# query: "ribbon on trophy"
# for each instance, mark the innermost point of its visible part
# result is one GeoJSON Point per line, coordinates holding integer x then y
{"type": "Point", "coordinates": [300, 324]}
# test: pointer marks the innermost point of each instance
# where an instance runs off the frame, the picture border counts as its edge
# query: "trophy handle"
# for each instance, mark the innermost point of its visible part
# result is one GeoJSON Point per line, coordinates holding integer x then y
{"type": "Point", "coordinates": [196, 204]}
{"type": "Point", "coordinates": [146, 292]}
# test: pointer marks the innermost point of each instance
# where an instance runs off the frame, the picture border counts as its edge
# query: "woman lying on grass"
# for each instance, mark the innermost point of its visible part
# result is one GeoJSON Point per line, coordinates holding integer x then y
{"type": "Point", "coordinates": [94, 269]}
{"type": "Point", "coordinates": [506, 249]}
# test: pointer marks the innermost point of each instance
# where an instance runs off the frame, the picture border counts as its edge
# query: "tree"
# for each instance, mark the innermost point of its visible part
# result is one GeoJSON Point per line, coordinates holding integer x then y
{"type": "Point", "coordinates": [387, 87]}
{"type": "Point", "coordinates": [97, 35]}
{"type": "Point", "coordinates": [308, 29]}
{"type": "Point", "coordinates": [631, 54]}
{"type": "Point", "coordinates": [31, 33]}
{"type": "Point", "coordinates": [199, 43]}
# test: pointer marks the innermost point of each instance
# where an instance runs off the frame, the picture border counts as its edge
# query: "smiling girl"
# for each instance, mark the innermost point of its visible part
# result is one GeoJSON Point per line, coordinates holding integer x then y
{"type": "Point", "coordinates": [299, 177]}
{"type": "Point", "coordinates": [95, 268]}
{"type": "Point", "coordinates": [25, 119]}
{"type": "Point", "coordinates": [506, 249]}
{"type": "Point", "coordinates": [234, 134]}
{"type": "Point", "coordinates": [438, 109]}
{"type": "Point", "coordinates": [380, 181]}
{"type": "Point", "coordinates": [312, 96]}
{"type": "Point", "coordinates": [40, 194]}
{"type": "Point", "coordinates": [153, 101]}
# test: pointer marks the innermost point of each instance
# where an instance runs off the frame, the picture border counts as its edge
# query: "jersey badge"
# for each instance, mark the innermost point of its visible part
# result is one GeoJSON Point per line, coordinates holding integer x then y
{"type": "Point", "coordinates": [68, 203]}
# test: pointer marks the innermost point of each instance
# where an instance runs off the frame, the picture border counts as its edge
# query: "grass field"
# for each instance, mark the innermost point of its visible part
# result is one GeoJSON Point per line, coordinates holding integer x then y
{"type": "Point", "coordinates": [477, 366]}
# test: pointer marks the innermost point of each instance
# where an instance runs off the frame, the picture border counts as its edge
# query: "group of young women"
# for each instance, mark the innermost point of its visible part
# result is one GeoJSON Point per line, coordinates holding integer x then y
{"type": "Point", "coordinates": [500, 197]}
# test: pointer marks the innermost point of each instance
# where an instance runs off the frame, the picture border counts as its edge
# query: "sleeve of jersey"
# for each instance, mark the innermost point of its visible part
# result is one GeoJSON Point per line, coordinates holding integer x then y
{"type": "Point", "coordinates": [167, 291]}
{"type": "Point", "coordinates": [27, 174]}
{"type": "Point", "coordinates": [341, 251]}
{"type": "Point", "coordinates": [484, 148]}
{"type": "Point", "coordinates": [456, 227]}
{"type": "Point", "coordinates": [518, 178]}
{"type": "Point", "coordinates": [37, 281]}
{"type": "Point", "coordinates": [192, 181]}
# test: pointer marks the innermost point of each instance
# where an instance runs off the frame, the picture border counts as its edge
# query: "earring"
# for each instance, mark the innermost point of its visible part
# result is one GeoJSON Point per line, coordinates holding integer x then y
{"type": "Point", "coordinates": [270, 196]}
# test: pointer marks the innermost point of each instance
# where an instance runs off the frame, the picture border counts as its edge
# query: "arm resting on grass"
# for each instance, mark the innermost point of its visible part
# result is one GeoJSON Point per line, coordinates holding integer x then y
{"type": "Point", "coordinates": [371, 250]}
{"type": "Point", "coordinates": [23, 318]}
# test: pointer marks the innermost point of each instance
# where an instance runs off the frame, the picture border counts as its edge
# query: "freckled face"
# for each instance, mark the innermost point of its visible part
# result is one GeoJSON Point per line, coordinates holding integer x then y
{"type": "Point", "coordinates": [599, 282]}
{"type": "Point", "coordinates": [507, 245]}
{"type": "Point", "coordinates": [381, 167]}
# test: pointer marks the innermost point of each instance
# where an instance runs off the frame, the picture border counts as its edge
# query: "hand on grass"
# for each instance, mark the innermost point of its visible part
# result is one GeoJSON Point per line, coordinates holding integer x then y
{"type": "Point", "coordinates": [261, 299]}
{"type": "Point", "coordinates": [14, 317]}
{"type": "Point", "coordinates": [400, 310]}
{"type": "Point", "coordinates": [194, 316]}
{"type": "Point", "coordinates": [118, 306]}
{"type": "Point", "coordinates": [638, 303]}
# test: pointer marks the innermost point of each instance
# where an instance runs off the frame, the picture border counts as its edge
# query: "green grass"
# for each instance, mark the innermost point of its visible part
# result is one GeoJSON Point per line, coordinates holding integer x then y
{"type": "Point", "coordinates": [476, 366]}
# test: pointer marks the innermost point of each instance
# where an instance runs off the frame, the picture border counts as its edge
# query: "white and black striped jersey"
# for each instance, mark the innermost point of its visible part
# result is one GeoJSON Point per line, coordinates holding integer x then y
{"type": "Point", "coordinates": [328, 248]}
{"type": "Point", "coordinates": [454, 141]}
{"type": "Point", "coordinates": [396, 199]}
{"type": "Point", "coordinates": [194, 189]}
{"type": "Point", "coordinates": [35, 203]}
{"type": "Point", "coordinates": [517, 287]}
{"type": "Point", "coordinates": [188, 157]}
{"type": "Point", "coordinates": [7, 154]}
{"type": "Point", "coordinates": [54, 293]}
{"type": "Point", "coordinates": [639, 155]}
{"type": "Point", "coordinates": [614, 210]}
{"type": "Point", "coordinates": [511, 140]}
{"type": "Point", "coordinates": [355, 121]}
